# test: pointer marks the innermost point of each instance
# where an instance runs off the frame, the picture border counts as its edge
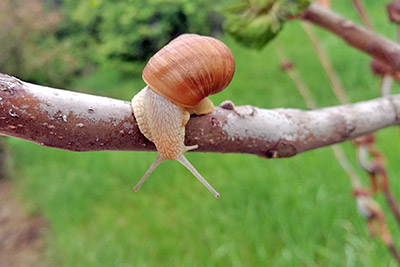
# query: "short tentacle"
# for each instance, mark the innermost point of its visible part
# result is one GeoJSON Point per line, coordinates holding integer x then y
{"type": "Point", "coordinates": [187, 148]}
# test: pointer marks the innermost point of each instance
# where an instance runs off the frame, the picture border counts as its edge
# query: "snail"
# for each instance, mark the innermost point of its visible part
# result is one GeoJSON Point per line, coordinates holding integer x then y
{"type": "Point", "coordinates": [179, 79]}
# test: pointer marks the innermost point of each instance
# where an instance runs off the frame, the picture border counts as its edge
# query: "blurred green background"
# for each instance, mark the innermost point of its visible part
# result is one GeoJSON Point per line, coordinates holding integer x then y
{"type": "Point", "coordinates": [283, 212]}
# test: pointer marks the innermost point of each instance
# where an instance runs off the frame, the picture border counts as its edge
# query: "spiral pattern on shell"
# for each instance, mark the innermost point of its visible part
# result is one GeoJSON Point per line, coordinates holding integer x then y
{"type": "Point", "coordinates": [190, 68]}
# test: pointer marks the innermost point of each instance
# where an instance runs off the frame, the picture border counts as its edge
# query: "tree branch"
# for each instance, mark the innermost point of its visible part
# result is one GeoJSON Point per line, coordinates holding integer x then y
{"type": "Point", "coordinates": [365, 40]}
{"type": "Point", "coordinates": [82, 122]}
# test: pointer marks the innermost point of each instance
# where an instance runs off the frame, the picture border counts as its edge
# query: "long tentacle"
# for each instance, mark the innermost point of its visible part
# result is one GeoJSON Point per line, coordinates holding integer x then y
{"type": "Point", "coordinates": [182, 160]}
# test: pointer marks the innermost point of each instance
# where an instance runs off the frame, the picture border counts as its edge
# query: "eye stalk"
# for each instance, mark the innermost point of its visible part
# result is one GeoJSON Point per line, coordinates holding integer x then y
{"type": "Point", "coordinates": [179, 79]}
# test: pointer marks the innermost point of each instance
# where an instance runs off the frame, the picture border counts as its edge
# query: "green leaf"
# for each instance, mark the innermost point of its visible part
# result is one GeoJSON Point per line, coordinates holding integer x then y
{"type": "Point", "coordinates": [94, 3]}
{"type": "Point", "coordinates": [256, 22]}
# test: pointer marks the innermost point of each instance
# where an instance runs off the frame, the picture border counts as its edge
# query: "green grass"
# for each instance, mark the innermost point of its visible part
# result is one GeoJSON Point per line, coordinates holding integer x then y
{"type": "Point", "coordinates": [282, 212]}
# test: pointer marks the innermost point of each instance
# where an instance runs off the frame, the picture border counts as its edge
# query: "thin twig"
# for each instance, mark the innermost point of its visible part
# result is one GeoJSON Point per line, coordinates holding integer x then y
{"type": "Point", "coordinates": [359, 6]}
{"type": "Point", "coordinates": [390, 198]}
{"type": "Point", "coordinates": [326, 64]}
{"type": "Point", "coordinates": [386, 79]}
{"type": "Point", "coordinates": [386, 84]}
{"type": "Point", "coordinates": [346, 165]}
{"type": "Point", "coordinates": [294, 75]}
{"type": "Point", "coordinates": [362, 39]}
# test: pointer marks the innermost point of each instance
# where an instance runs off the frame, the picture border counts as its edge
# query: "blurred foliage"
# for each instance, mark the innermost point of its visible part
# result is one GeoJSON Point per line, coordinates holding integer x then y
{"type": "Point", "coordinates": [50, 41]}
{"type": "Point", "coordinates": [28, 48]}
{"type": "Point", "coordinates": [126, 33]}
{"type": "Point", "coordinates": [255, 22]}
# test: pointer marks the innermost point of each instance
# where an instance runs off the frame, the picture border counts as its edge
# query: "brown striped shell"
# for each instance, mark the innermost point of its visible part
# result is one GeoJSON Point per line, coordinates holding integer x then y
{"type": "Point", "coordinates": [190, 68]}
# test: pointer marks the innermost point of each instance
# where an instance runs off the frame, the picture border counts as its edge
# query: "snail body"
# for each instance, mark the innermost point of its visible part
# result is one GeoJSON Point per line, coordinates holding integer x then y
{"type": "Point", "coordinates": [166, 132]}
{"type": "Point", "coordinates": [179, 79]}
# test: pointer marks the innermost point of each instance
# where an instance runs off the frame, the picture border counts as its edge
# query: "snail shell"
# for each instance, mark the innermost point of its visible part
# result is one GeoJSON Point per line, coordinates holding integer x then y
{"type": "Point", "coordinates": [190, 68]}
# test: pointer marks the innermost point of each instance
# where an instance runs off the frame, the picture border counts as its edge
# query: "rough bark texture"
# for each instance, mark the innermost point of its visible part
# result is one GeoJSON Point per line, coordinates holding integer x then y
{"type": "Point", "coordinates": [365, 40]}
{"type": "Point", "coordinates": [82, 122]}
